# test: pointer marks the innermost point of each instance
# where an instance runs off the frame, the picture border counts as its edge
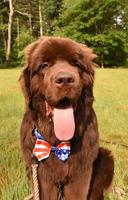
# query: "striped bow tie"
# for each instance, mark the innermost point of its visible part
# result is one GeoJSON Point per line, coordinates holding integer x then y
{"type": "Point", "coordinates": [43, 149]}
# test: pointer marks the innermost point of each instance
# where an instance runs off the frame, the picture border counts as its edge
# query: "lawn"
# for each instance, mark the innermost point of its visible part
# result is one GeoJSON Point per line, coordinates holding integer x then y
{"type": "Point", "coordinates": [111, 106]}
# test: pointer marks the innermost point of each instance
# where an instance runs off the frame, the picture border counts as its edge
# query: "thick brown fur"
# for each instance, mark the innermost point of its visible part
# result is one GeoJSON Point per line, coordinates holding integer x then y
{"type": "Point", "coordinates": [88, 172]}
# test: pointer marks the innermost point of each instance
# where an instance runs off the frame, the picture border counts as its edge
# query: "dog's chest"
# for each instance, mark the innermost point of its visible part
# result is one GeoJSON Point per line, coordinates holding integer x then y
{"type": "Point", "coordinates": [54, 170]}
{"type": "Point", "coordinates": [57, 171]}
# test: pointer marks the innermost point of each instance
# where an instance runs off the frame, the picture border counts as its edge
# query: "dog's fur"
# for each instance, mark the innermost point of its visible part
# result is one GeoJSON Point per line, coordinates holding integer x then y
{"type": "Point", "coordinates": [88, 172]}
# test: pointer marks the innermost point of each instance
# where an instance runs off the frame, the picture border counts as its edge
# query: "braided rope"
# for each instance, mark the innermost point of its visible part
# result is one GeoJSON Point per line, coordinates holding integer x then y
{"type": "Point", "coordinates": [35, 182]}
{"type": "Point", "coordinates": [35, 195]}
{"type": "Point", "coordinates": [60, 192]}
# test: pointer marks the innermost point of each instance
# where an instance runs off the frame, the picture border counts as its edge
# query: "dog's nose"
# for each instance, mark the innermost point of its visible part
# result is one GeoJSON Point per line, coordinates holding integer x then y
{"type": "Point", "coordinates": [63, 79]}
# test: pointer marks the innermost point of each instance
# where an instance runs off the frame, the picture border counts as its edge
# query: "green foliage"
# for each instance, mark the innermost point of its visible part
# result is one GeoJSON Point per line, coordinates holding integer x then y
{"type": "Point", "coordinates": [98, 24]}
{"type": "Point", "coordinates": [52, 7]}
{"type": "Point", "coordinates": [50, 11]}
{"type": "Point", "coordinates": [25, 25]}
{"type": "Point", "coordinates": [21, 42]}
{"type": "Point", "coordinates": [3, 30]}
{"type": "Point", "coordinates": [101, 24]}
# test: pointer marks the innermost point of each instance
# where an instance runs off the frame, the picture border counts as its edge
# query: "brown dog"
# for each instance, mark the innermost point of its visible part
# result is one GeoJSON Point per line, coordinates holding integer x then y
{"type": "Point", "coordinates": [58, 88]}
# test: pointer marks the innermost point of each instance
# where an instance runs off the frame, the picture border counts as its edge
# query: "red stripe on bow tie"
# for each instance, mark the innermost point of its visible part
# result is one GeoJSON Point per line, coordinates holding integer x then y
{"type": "Point", "coordinates": [40, 150]}
{"type": "Point", "coordinates": [42, 156]}
{"type": "Point", "coordinates": [42, 142]}
{"type": "Point", "coordinates": [62, 144]}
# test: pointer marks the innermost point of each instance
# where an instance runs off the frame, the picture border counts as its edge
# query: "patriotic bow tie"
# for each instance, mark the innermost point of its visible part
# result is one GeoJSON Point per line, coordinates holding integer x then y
{"type": "Point", "coordinates": [43, 149]}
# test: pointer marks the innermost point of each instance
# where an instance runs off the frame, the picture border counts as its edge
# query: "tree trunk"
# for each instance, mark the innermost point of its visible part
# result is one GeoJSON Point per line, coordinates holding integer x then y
{"type": "Point", "coordinates": [30, 23]}
{"type": "Point", "coordinates": [4, 42]}
{"type": "Point", "coordinates": [30, 18]}
{"type": "Point", "coordinates": [102, 60]}
{"type": "Point", "coordinates": [41, 21]}
{"type": "Point", "coordinates": [9, 30]}
{"type": "Point", "coordinates": [18, 33]}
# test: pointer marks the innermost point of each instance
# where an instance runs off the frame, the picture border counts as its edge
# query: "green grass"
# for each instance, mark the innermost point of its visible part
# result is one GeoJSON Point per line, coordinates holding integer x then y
{"type": "Point", "coordinates": [111, 106]}
{"type": "Point", "coordinates": [12, 174]}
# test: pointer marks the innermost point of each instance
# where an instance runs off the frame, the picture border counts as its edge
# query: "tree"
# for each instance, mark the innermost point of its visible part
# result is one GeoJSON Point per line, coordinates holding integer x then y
{"type": "Point", "coordinates": [3, 30]}
{"type": "Point", "coordinates": [101, 24]}
{"type": "Point", "coordinates": [11, 11]}
{"type": "Point", "coordinates": [96, 23]}
{"type": "Point", "coordinates": [41, 20]}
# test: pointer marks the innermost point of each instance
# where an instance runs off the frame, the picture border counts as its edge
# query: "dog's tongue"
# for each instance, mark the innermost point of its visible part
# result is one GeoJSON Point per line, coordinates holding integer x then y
{"type": "Point", "coordinates": [64, 125]}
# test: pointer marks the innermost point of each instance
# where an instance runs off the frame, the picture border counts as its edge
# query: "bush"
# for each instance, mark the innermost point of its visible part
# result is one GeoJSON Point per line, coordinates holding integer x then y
{"type": "Point", "coordinates": [20, 43]}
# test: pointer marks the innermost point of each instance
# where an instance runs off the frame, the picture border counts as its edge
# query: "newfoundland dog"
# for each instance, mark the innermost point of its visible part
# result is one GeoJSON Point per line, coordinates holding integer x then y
{"type": "Point", "coordinates": [59, 128]}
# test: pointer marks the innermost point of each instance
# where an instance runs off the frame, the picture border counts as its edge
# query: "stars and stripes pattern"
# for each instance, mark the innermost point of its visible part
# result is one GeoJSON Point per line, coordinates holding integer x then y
{"type": "Point", "coordinates": [43, 149]}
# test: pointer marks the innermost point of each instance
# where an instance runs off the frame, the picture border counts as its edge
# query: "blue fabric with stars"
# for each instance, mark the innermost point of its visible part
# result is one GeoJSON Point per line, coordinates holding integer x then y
{"type": "Point", "coordinates": [62, 154]}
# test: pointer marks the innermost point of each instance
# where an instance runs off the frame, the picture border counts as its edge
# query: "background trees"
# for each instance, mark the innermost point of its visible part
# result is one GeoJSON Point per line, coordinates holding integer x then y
{"type": "Point", "coordinates": [101, 24]}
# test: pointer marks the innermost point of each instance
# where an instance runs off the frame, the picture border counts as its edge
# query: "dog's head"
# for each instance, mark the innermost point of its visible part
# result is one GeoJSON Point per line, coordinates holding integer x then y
{"type": "Point", "coordinates": [58, 75]}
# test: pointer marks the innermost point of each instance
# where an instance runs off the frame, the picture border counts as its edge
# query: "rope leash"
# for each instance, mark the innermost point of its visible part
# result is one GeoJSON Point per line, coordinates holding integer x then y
{"type": "Point", "coordinates": [60, 192]}
{"type": "Point", "coordinates": [35, 195]}
{"type": "Point", "coordinates": [35, 182]}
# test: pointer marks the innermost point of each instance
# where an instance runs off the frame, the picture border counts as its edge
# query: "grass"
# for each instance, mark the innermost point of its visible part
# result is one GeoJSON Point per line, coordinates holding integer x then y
{"type": "Point", "coordinates": [111, 106]}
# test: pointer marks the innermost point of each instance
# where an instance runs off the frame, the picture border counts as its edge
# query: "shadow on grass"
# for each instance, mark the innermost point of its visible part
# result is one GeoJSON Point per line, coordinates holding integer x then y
{"type": "Point", "coordinates": [9, 66]}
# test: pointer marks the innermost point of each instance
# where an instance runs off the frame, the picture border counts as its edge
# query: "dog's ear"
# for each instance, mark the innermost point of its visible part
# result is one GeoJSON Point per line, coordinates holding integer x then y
{"type": "Point", "coordinates": [25, 84]}
{"type": "Point", "coordinates": [25, 77]}
{"type": "Point", "coordinates": [89, 57]}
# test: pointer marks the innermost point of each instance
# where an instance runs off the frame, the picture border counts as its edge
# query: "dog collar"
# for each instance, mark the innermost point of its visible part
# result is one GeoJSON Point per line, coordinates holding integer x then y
{"type": "Point", "coordinates": [43, 149]}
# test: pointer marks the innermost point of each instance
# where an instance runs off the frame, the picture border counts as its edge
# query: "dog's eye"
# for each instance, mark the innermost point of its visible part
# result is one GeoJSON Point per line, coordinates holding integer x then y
{"type": "Point", "coordinates": [44, 65]}
{"type": "Point", "coordinates": [77, 64]}
{"type": "Point", "coordinates": [80, 66]}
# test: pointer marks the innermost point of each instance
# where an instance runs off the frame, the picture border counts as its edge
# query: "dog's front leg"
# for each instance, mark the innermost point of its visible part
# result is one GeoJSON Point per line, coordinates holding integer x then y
{"type": "Point", "coordinates": [78, 189]}
{"type": "Point", "coordinates": [48, 191]}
